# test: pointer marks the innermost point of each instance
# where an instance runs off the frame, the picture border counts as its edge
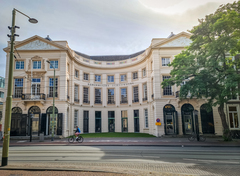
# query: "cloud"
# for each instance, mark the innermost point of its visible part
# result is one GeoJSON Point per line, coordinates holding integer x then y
{"type": "Point", "coordinates": [103, 27]}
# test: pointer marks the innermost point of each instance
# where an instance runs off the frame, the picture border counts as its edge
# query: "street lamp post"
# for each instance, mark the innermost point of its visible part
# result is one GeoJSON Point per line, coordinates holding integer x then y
{"type": "Point", "coordinates": [7, 124]}
{"type": "Point", "coordinates": [53, 112]}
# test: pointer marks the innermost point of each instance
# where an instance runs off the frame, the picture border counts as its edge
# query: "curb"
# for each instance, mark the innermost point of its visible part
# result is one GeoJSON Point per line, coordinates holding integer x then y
{"type": "Point", "coordinates": [54, 169]}
{"type": "Point", "coordinates": [152, 145]}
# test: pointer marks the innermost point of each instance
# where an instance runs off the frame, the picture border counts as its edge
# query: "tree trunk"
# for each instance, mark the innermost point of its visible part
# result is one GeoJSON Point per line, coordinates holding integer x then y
{"type": "Point", "coordinates": [226, 131]}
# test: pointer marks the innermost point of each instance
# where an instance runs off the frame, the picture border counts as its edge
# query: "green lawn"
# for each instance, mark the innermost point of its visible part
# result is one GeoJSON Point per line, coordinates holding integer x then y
{"type": "Point", "coordinates": [99, 135]}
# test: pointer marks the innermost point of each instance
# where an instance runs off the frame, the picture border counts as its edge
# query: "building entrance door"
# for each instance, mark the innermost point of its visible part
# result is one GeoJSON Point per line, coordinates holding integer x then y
{"type": "Point", "coordinates": [169, 123]}
{"type": "Point", "coordinates": [170, 119]}
{"type": "Point", "coordinates": [34, 114]}
{"type": "Point", "coordinates": [207, 120]}
{"type": "Point", "coordinates": [187, 119]}
{"type": "Point", "coordinates": [35, 124]}
{"type": "Point", "coordinates": [136, 120]}
{"type": "Point", "coordinates": [187, 123]}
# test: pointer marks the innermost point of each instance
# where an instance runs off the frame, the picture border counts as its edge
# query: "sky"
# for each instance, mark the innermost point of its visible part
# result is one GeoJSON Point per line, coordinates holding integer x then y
{"type": "Point", "coordinates": [102, 27]}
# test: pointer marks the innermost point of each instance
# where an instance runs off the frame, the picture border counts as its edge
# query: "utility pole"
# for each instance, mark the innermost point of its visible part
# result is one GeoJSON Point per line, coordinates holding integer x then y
{"type": "Point", "coordinates": [8, 113]}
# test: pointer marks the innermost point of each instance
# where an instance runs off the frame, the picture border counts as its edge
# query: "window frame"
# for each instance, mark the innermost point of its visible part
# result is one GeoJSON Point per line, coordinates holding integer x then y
{"type": "Point", "coordinates": [99, 101]}
{"type": "Point", "coordinates": [99, 76]}
{"type": "Point", "coordinates": [76, 73]}
{"type": "Point", "coordinates": [232, 112]}
{"type": "Point", "coordinates": [168, 88]}
{"type": "Point", "coordinates": [144, 72]}
{"type": "Point", "coordinates": [20, 66]}
{"type": "Point", "coordinates": [39, 62]}
{"type": "Point", "coordinates": [136, 76]}
{"type": "Point", "coordinates": [164, 61]}
{"type": "Point", "coordinates": [121, 98]}
{"type": "Point", "coordinates": [84, 73]}
{"type": "Point", "coordinates": [111, 81]}
{"type": "Point", "coordinates": [124, 79]}
{"type": "Point", "coordinates": [53, 64]}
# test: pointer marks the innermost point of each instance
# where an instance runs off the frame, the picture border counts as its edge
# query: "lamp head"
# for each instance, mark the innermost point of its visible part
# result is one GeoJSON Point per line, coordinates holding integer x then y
{"type": "Point", "coordinates": [48, 61]}
{"type": "Point", "coordinates": [33, 20]}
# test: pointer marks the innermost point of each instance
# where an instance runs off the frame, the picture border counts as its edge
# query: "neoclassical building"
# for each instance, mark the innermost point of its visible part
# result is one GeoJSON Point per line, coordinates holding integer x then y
{"type": "Point", "coordinates": [112, 93]}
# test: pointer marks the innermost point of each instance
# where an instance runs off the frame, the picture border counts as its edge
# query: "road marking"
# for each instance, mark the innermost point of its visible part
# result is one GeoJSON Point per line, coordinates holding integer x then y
{"type": "Point", "coordinates": [213, 161]}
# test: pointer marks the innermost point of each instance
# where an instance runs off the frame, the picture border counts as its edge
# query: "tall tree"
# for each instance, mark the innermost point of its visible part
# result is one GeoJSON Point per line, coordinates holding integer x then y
{"type": "Point", "coordinates": [207, 65]}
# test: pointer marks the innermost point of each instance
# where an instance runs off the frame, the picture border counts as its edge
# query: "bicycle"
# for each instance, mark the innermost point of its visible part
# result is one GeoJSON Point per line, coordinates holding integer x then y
{"type": "Point", "coordinates": [72, 138]}
{"type": "Point", "coordinates": [194, 136]}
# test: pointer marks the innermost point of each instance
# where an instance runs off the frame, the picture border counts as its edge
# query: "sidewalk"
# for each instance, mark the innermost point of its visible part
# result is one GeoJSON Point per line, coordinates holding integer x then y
{"type": "Point", "coordinates": [178, 142]}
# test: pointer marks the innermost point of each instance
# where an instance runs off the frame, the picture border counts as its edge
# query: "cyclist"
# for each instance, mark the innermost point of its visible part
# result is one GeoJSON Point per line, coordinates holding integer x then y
{"type": "Point", "coordinates": [77, 132]}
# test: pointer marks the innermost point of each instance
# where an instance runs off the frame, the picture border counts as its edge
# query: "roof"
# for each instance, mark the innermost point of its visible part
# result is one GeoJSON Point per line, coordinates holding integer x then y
{"type": "Point", "coordinates": [110, 57]}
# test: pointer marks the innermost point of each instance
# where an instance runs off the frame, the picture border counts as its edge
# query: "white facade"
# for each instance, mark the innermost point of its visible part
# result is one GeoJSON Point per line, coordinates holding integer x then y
{"type": "Point", "coordinates": [80, 77]}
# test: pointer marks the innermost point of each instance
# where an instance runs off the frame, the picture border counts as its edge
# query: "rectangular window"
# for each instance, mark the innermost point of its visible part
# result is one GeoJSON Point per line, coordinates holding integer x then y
{"type": "Point", "coordinates": [85, 95]}
{"type": "Point", "coordinates": [18, 88]}
{"type": "Point", "coordinates": [123, 78]}
{"type": "Point", "coordinates": [111, 121]}
{"type": "Point", "coordinates": [67, 89]}
{"type": "Point", "coordinates": [76, 73]}
{"type": "Point", "coordinates": [37, 64]}
{"type": "Point", "coordinates": [124, 121]}
{"type": "Point", "coordinates": [146, 117]}
{"type": "Point", "coordinates": [136, 120]}
{"type": "Point", "coordinates": [165, 61]}
{"type": "Point", "coordinates": [75, 118]}
{"type": "Point", "coordinates": [145, 92]}
{"type": "Point", "coordinates": [1, 94]}
{"type": "Point", "coordinates": [135, 75]}
{"type": "Point", "coordinates": [76, 94]}
{"type": "Point", "coordinates": [135, 94]}
{"type": "Point", "coordinates": [98, 96]}
{"type": "Point", "coordinates": [68, 69]}
{"type": "Point", "coordinates": [124, 95]}
{"type": "Point", "coordinates": [53, 64]}
{"type": "Point", "coordinates": [51, 87]}
{"type": "Point", "coordinates": [85, 121]}
{"type": "Point", "coordinates": [233, 117]}
{"type": "Point", "coordinates": [144, 72]}
{"type": "Point", "coordinates": [98, 120]}
{"type": "Point", "coordinates": [19, 65]}
{"type": "Point", "coordinates": [85, 76]}
{"type": "Point", "coordinates": [111, 78]}
{"type": "Point", "coordinates": [97, 78]}
{"type": "Point", "coordinates": [167, 90]}
{"type": "Point", "coordinates": [111, 96]}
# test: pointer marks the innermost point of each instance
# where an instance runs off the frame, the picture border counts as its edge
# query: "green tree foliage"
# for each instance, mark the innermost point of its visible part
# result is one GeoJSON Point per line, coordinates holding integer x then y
{"type": "Point", "coordinates": [206, 65]}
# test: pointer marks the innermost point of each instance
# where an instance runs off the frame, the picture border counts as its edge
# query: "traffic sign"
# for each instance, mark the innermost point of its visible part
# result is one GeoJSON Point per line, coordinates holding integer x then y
{"type": "Point", "coordinates": [157, 120]}
{"type": "Point", "coordinates": [158, 123]}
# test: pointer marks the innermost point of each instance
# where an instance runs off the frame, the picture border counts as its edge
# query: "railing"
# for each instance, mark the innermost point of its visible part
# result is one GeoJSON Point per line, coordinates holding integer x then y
{"type": "Point", "coordinates": [167, 93]}
{"type": "Point", "coordinates": [76, 100]}
{"type": "Point", "coordinates": [98, 102]}
{"type": "Point", "coordinates": [86, 101]}
{"type": "Point", "coordinates": [111, 102]}
{"type": "Point", "coordinates": [17, 96]}
{"type": "Point", "coordinates": [40, 96]}
{"type": "Point", "coordinates": [135, 100]}
{"type": "Point", "coordinates": [124, 102]}
{"type": "Point", "coordinates": [51, 95]}
{"type": "Point", "coordinates": [145, 99]}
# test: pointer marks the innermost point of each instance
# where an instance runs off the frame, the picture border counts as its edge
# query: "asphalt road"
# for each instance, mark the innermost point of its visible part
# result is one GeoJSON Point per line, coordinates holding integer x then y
{"type": "Point", "coordinates": [130, 159]}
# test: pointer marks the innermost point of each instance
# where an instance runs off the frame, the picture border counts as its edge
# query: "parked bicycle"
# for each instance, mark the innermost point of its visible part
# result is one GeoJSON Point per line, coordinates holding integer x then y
{"type": "Point", "coordinates": [73, 138]}
{"type": "Point", "coordinates": [193, 136]}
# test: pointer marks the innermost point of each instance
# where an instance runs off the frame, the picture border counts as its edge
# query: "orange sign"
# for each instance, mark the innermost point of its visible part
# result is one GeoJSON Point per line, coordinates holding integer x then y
{"type": "Point", "coordinates": [158, 123]}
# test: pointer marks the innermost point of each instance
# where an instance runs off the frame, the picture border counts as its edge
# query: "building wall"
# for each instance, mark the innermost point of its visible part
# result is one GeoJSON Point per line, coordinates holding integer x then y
{"type": "Point", "coordinates": [69, 61]}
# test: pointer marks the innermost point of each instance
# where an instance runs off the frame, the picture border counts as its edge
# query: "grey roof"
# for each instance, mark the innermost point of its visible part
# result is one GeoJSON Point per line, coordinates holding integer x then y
{"type": "Point", "coordinates": [110, 57]}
